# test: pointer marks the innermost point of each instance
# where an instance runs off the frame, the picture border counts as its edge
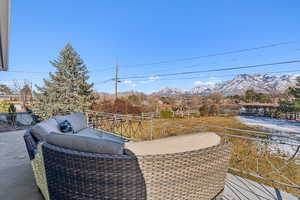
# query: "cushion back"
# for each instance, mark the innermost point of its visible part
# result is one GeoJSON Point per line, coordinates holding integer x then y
{"type": "Point", "coordinates": [77, 120]}
{"type": "Point", "coordinates": [40, 130]}
{"type": "Point", "coordinates": [84, 143]}
{"type": "Point", "coordinates": [97, 133]}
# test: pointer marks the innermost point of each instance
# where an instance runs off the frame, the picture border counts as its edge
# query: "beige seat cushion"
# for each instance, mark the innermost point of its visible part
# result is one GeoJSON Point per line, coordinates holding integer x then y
{"type": "Point", "coordinates": [175, 144]}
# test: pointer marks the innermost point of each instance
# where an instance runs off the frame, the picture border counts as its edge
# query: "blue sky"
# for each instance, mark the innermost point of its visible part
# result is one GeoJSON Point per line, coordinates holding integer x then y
{"type": "Point", "coordinates": [140, 31]}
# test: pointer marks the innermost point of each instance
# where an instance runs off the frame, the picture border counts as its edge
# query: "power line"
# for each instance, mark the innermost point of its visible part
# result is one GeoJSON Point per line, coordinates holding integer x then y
{"type": "Point", "coordinates": [176, 60]}
{"type": "Point", "coordinates": [211, 55]}
{"type": "Point", "coordinates": [18, 79]}
{"type": "Point", "coordinates": [213, 70]}
{"type": "Point", "coordinates": [140, 78]}
{"type": "Point", "coordinates": [26, 72]}
{"type": "Point", "coordinates": [44, 72]}
{"type": "Point", "coordinates": [197, 65]}
{"type": "Point", "coordinates": [187, 66]}
{"type": "Point", "coordinates": [198, 57]}
{"type": "Point", "coordinates": [179, 78]}
{"type": "Point", "coordinates": [102, 70]}
{"type": "Point", "coordinates": [198, 77]}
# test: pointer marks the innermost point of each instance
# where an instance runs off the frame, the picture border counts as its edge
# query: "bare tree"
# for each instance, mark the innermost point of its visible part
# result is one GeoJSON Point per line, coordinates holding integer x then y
{"type": "Point", "coordinates": [4, 89]}
{"type": "Point", "coordinates": [196, 101]}
{"type": "Point", "coordinates": [24, 91]}
{"type": "Point", "coordinates": [216, 98]}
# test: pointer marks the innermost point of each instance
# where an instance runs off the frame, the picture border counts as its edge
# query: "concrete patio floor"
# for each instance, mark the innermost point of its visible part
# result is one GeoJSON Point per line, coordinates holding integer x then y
{"type": "Point", "coordinates": [17, 181]}
{"type": "Point", "coordinates": [16, 177]}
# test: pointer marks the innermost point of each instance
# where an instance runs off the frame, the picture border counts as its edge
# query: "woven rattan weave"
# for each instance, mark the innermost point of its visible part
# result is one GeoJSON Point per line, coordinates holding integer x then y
{"type": "Point", "coordinates": [74, 175]}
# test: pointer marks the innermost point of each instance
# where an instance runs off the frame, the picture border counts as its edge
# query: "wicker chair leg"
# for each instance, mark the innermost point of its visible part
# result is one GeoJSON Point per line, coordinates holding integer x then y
{"type": "Point", "coordinates": [39, 173]}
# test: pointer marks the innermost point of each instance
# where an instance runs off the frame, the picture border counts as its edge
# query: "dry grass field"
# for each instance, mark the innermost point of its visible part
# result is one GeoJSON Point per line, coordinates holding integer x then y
{"type": "Point", "coordinates": [159, 128]}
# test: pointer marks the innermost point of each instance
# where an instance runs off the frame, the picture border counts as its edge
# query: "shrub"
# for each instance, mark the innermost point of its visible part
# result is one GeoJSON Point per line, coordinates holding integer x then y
{"type": "Point", "coordinates": [124, 107]}
{"type": "Point", "coordinates": [12, 108]}
{"type": "Point", "coordinates": [12, 113]}
{"type": "Point", "coordinates": [4, 106]}
{"type": "Point", "coordinates": [119, 106]}
{"type": "Point", "coordinates": [204, 110]}
{"type": "Point", "coordinates": [165, 114]}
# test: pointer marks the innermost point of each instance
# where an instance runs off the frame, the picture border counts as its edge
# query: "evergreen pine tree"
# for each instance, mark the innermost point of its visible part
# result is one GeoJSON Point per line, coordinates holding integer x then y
{"type": "Point", "coordinates": [285, 107]}
{"type": "Point", "coordinates": [67, 90]}
{"type": "Point", "coordinates": [295, 92]}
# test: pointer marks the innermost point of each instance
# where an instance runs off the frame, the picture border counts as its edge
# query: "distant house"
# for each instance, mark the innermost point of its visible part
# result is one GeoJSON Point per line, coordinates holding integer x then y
{"type": "Point", "coordinates": [4, 33]}
{"type": "Point", "coordinates": [4, 96]}
{"type": "Point", "coordinates": [20, 101]}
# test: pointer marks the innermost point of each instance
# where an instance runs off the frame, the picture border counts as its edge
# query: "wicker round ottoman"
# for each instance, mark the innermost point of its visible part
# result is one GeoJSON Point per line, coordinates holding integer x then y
{"type": "Point", "coordinates": [180, 174]}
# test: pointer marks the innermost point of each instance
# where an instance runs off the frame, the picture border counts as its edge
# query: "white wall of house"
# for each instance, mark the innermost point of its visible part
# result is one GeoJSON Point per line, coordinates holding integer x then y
{"type": "Point", "coordinates": [4, 33]}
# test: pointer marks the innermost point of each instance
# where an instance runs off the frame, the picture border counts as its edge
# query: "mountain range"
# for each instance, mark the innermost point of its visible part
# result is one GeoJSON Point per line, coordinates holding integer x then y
{"type": "Point", "coordinates": [263, 83]}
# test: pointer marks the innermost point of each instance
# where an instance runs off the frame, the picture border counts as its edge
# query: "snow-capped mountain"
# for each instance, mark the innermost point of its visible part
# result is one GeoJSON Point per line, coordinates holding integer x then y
{"type": "Point", "coordinates": [205, 89]}
{"type": "Point", "coordinates": [239, 85]}
{"type": "Point", "coordinates": [168, 91]}
{"type": "Point", "coordinates": [259, 82]}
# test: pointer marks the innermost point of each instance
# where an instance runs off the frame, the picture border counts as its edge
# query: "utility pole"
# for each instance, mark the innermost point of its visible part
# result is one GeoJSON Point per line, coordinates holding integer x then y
{"type": "Point", "coordinates": [31, 95]}
{"type": "Point", "coordinates": [116, 80]}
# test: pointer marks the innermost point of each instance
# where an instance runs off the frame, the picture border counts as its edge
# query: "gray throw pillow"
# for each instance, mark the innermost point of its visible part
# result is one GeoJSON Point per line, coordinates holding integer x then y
{"type": "Point", "coordinates": [84, 143]}
{"type": "Point", "coordinates": [40, 130]}
{"type": "Point", "coordinates": [77, 120]}
{"type": "Point", "coordinates": [65, 126]}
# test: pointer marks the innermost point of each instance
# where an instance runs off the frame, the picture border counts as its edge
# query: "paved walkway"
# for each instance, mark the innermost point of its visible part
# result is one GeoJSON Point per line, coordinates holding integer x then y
{"type": "Point", "coordinates": [16, 177]}
{"type": "Point", "coordinates": [17, 182]}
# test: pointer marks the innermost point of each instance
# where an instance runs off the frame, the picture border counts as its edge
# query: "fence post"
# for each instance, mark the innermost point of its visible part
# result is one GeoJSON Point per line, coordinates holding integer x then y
{"type": "Point", "coordinates": [122, 127]}
{"type": "Point", "coordinates": [151, 128]}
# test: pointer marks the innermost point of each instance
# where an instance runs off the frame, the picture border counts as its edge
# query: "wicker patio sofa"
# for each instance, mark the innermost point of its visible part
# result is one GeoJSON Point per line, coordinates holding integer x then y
{"type": "Point", "coordinates": [187, 173]}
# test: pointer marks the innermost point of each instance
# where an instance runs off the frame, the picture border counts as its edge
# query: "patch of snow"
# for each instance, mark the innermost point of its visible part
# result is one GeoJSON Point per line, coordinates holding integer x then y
{"type": "Point", "coordinates": [281, 126]}
{"type": "Point", "coordinates": [277, 125]}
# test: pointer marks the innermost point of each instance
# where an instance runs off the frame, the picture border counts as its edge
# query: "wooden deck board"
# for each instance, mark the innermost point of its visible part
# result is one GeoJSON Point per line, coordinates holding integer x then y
{"type": "Point", "coordinates": [237, 188]}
